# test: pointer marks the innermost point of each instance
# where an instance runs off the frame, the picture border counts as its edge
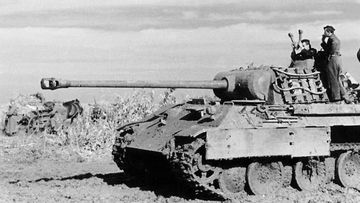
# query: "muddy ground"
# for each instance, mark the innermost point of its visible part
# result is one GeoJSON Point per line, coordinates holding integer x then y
{"type": "Point", "coordinates": [56, 179]}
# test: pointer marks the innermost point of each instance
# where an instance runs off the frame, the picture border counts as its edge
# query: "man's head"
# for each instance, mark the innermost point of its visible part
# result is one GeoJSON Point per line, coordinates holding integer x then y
{"type": "Point", "coordinates": [328, 30]}
{"type": "Point", "coordinates": [306, 44]}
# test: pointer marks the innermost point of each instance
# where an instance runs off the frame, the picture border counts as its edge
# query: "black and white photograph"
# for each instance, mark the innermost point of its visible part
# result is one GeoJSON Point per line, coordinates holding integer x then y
{"type": "Point", "coordinates": [180, 101]}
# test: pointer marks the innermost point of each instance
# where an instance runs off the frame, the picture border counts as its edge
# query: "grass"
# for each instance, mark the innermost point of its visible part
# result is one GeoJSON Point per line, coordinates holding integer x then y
{"type": "Point", "coordinates": [85, 138]}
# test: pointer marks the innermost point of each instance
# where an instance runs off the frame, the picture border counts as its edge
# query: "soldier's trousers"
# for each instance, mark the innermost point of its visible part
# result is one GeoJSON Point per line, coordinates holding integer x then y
{"type": "Point", "coordinates": [336, 91]}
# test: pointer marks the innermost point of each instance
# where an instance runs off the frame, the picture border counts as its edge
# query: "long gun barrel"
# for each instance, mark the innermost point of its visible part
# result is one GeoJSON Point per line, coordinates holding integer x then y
{"type": "Point", "coordinates": [232, 85]}
{"type": "Point", "coordinates": [52, 84]}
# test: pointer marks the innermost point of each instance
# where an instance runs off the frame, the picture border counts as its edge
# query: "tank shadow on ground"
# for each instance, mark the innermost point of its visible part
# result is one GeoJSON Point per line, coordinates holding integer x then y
{"type": "Point", "coordinates": [168, 189]}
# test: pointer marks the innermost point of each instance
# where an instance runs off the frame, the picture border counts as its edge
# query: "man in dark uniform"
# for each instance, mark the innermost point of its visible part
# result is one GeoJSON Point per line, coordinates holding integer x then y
{"type": "Point", "coordinates": [304, 51]}
{"type": "Point", "coordinates": [336, 91]}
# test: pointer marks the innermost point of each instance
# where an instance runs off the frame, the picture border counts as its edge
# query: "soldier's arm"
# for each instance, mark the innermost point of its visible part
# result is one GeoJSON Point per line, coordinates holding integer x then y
{"type": "Point", "coordinates": [334, 46]}
{"type": "Point", "coordinates": [323, 45]}
{"type": "Point", "coordinates": [323, 42]}
{"type": "Point", "coordinates": [293, 55]}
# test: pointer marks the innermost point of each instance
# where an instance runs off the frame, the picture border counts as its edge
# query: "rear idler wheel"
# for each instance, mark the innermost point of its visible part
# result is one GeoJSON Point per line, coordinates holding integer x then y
{"type": "Point", "coordinates": [265, 178]}
{"type": "Point", "coordinates": [309, 174]}
{"type": "Point", "coordinates": [348, 169]}
{"type": "Point", "coordinates": [232, 181]}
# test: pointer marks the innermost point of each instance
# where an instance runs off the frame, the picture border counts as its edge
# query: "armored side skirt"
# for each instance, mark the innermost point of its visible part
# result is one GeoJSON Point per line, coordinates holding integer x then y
{"type": "Point", "coordinates": [294, 142]}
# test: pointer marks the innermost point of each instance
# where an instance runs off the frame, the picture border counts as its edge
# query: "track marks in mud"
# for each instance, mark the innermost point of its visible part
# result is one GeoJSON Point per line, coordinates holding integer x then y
{"type": "Point", "coordinates": [110, 179]}
{"type": "Point", "coordinates": [102, 181]}
{"type": "Point", "coordinates": [94, 181]}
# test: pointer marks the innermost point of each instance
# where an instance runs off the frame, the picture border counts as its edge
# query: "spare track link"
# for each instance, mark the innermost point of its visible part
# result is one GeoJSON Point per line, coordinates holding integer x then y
{"type": "Point", "coordinates": [181, 163]}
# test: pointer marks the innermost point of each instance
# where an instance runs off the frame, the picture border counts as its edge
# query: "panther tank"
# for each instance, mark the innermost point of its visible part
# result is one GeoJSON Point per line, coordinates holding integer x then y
{"type": "Point", "coordinates": [272, 127]}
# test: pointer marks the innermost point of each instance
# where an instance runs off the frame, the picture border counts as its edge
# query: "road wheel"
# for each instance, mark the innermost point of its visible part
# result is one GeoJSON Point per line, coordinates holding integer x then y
{"type": "Point", "coordinates": [232, 181]}
{"type": "Point", "coordinates": [265, 178]}
{"type": "Point", "coordinates": [348, 169]}
{"type": "Point", "coordinates": [309, 174]}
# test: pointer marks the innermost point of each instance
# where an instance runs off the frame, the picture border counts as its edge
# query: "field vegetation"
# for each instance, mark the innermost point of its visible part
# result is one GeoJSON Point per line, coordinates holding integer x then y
{"type": "Point", "coordinates": [85, 138]}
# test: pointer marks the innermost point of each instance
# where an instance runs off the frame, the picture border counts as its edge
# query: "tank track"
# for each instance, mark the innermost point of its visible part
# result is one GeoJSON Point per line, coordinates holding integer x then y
{"type": "Point", "coordinates": [182, 167]}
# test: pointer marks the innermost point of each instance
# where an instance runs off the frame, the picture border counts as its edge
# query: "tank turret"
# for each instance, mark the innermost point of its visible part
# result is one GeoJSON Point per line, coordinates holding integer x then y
{"type": "Point", "coordinates": [264, 84]}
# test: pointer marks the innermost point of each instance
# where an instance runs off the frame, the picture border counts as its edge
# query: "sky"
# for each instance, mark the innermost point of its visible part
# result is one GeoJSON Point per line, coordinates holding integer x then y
{"type": "Point", "coordinates": [157, 39]}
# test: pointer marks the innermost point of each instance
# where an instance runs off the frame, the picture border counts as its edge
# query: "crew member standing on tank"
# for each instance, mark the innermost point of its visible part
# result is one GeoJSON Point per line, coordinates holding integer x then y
{"type": "Point", "coordinates": [304, 52]}
{"type": "Point", "coordinates": [333, 68]}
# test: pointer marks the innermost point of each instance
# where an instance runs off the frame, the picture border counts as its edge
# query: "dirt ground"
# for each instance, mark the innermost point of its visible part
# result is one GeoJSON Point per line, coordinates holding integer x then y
{"type": "Point", "coordinates": [53, 179]}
